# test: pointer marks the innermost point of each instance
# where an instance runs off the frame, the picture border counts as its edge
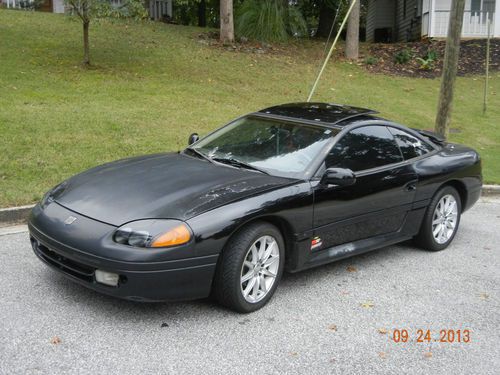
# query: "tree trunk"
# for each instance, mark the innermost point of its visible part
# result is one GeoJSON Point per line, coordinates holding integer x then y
{"type": "Point", "coordinates": [226, 21]}
{"type": "Point", "coordinates": [202, 13]}
{"type": "Point", "coordinates": [326, 17]}
{"type": "Point", "coordinates": [352, 38]}
{"type": "Point", "coordinates": [450, 64]}
{"type": "Point", "coordinates": [86, 48]}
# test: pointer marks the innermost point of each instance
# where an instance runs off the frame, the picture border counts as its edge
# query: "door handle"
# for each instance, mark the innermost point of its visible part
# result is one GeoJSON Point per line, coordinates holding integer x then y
{"type": "Point", "coordinates": [412, 186]}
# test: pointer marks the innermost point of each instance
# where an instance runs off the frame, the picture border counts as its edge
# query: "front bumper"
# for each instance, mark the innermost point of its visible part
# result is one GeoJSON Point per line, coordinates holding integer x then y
{"type": "Point", "coordinates": [140, 280]}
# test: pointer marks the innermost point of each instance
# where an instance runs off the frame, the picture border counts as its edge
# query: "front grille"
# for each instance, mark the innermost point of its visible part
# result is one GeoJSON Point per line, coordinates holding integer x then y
{"type": "Point", "coordinates": [66, 265]}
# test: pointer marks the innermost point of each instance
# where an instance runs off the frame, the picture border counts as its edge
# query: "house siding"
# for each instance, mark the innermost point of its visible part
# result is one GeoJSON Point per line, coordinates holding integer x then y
{"type": "Point", "coordinates": [58, 6]}
{"type": "Point", "coordinates": [380, 14]}
{"type": "Point", "coordinates": [408, 20]}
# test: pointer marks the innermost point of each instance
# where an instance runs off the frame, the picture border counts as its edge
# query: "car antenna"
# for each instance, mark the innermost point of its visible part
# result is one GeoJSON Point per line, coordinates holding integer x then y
{"type": "Point", "coordinates": [313, 89]}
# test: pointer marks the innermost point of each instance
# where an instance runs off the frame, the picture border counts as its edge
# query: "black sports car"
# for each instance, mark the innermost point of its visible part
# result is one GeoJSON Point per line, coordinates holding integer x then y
{"type": "Point", "coordinates": [287, 188]}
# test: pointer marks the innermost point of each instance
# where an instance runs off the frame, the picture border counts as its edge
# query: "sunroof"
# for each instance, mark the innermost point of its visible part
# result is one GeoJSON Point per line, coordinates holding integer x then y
{"type": "Point", "coordinates": [321, 112]}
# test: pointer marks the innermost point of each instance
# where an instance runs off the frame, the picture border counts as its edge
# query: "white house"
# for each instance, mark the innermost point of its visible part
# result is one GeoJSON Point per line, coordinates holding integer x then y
{"type": "Point", "coordinates": [405, 20]}
{"type": "Point", "coordinates": [157, 8]}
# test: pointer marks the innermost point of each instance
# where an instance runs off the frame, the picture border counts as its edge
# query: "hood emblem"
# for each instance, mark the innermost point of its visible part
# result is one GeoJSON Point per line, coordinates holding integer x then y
{"type": "Point", "coordinates": [70, 220]}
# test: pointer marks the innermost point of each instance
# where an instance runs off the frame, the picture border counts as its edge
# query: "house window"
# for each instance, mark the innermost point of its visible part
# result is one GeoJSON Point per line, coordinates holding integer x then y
{"type": "Point", "coordinates": [475, 6]}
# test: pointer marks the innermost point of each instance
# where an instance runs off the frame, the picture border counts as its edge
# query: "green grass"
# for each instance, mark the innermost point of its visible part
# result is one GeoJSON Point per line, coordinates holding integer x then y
{"type": "Point", "coordinates": [153, 84]}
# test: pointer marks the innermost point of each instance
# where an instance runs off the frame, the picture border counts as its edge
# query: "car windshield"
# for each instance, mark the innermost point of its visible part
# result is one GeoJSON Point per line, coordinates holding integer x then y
{"type": "Point", "coordinates": [271, 146]}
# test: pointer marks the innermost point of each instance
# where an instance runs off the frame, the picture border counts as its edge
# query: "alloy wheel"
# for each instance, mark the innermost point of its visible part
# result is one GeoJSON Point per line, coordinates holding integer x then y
{"type": "Point", "coordinates": [260, 269]}
{"type": "Point", "coordinates": [444, 220]}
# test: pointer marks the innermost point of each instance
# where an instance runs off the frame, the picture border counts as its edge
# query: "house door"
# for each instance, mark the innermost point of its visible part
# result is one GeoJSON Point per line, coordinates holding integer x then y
{"type": "Point", "coordinates": [47, 6]}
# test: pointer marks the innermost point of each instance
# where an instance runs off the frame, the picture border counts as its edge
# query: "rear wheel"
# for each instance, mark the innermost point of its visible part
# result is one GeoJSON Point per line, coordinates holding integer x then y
{"type": "Point", "coordinates": [250, 268]}
{"type": "Point", "coordinates": [441, 221]}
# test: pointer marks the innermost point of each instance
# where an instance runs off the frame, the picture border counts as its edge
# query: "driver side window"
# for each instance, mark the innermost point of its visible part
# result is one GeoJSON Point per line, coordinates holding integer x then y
{"type": "Point", "coordinates": [364, 148]}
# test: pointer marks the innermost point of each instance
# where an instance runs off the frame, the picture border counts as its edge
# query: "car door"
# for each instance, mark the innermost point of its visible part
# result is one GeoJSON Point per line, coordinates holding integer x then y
{"type": "Point", "coordinates": [378, 202]}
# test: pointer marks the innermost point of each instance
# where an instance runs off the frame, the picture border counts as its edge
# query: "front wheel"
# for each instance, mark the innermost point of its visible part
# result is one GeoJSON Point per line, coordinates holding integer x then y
{"type": "Point", "coordinates": [251, 267]}
{"type": "Point", "coordinates": [440, 223]}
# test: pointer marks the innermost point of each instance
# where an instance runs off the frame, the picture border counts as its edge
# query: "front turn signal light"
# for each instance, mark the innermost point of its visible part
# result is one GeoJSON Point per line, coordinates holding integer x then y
{"type": "Point", "coordinates": [178, 235]}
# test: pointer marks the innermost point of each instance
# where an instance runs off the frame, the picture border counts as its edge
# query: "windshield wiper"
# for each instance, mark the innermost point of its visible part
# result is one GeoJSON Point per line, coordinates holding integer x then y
{"type": "Point", "coordinates": [199, 153]}
{"type": "Point", "coordinates": [238, 163]}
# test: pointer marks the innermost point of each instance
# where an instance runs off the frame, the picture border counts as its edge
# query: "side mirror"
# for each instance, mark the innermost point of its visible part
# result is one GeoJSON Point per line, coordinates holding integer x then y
{"type": "Point", "coordinates": [193, 138]}
{"type": "Point", "coordinates": [339, 177]}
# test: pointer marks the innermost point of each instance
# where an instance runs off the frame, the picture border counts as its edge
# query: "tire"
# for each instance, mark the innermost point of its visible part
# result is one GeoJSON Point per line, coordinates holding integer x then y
{"type": "Point", "coordinates": [237, 263]}
{"type": "Point", "coordinates": [427, 237]}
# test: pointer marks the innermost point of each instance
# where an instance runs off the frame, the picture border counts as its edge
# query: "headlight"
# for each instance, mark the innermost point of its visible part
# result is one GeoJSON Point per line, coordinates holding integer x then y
{"type": "Point", "coordinates": [153, 233]}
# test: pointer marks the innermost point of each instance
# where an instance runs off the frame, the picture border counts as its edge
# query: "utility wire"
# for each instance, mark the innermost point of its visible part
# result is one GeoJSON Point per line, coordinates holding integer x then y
{"type": "Point", "coordinates": [330, 52]}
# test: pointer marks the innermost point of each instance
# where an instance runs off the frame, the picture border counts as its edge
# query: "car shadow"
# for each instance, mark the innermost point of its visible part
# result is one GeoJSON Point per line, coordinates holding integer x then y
{"type": "Point", "coordinates": [117, 309]}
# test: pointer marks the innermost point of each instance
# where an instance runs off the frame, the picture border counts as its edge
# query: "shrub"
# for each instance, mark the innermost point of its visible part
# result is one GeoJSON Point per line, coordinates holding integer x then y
{"type": "Point", "coordinates": [427, 62]}
{"type": "Point", "coordinates": [370, 60]}
{"type": "Point", "coordinates": [431, 54]}
{"type": "Point", "coordinates": [403, 56]}
{"type": "Point", "coordinates": [269, 21]}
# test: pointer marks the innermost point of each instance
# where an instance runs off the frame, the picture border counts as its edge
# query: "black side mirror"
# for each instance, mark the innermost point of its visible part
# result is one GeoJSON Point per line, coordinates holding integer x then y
{"type": "Point", "coordinates": [339, 177]}
{"type": "Point", "coordinates": [193, 138]}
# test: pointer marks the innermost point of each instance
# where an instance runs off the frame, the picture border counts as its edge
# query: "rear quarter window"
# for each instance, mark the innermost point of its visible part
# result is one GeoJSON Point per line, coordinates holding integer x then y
{"type": "Point", "coordinates": [411, 146]}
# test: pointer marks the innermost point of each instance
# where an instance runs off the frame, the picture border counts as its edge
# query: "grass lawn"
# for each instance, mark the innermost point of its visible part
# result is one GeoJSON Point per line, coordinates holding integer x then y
{"type": "Point", "coordinates": [153, 84]}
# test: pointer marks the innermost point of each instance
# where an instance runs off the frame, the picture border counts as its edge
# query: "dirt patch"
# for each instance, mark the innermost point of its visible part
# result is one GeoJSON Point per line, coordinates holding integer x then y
{"type": "Point", "coordinates": [211, 38]}
{"type": "Point", "coordinates": [381, 58]}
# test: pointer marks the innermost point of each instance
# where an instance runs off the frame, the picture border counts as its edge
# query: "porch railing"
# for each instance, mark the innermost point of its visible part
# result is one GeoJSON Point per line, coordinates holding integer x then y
{"type": "Point", "coordinates": [19, 4]}
{"type": "Point", "coordinates": [474, 23]}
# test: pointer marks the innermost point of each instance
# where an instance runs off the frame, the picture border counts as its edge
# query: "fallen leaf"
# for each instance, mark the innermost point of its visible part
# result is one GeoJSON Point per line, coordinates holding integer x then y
{"type": "Point", "coordinates": [367, 304]}
{"type": "Point", "coordinates": [428, 355]}
{"type": "Point", "coordinates": [163, 325]}
{"type": "Point", "coordinates": [55, 340]}
{"type": "Point", "coordinates": [382, 355]}
{"type": "Point", "coordinates": [332, 327]}
{"type": "Point", "coordinates": [484, 296]}
{"type": "Point", "coordinates": [351, 269]}
{"type": "Point", "coordinates": [294, 354]}
{"type": "Point", "coordinates": [382, 331]}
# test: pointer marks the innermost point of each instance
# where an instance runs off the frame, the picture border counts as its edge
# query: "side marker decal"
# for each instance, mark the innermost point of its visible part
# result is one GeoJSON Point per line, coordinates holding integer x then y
{"type": "Point", "coordinates": [316, 243]}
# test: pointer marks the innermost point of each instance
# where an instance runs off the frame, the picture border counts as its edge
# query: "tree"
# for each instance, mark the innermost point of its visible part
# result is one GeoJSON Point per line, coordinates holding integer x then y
{"type": "Point", "coordinates": [85, 9]}
{"type": "Point", "coordinates": [226, 21]}
{"type": "Point", "coordinates": [325, 19]}
{"type": "Point", "coordinates": [88, 10]}
{"type": "Point", "coordinates": [202, 13]}
{"type": "Point", "coordinates": [450, 64]}
{"type": "Point", "coordinates": [352, 38]}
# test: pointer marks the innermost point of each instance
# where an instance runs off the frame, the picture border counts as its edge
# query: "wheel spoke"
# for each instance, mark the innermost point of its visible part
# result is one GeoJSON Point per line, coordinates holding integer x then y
{"type": "Point", "coordinates": [270, 261]}
{"type": "Point", "coordinates": [268, 252]}
{"type": "Point", "coordinates": [249, 287]}
{"type": "Point", "coordinates": [262, 248]}
{"type": "Point", "coordinates": [442, 233]}
{"type": "Point", "coordinates": [255, 254]}
{"type": "Point", "coordinates": [256, 287]}
{"type": "Point", "coordinates": [262, 282]}
{"type": "Point", "coordinates": [247, 276]}
{"type": "Point", "coordinates": [267, 272]}
{"type": "Point", "coordinates": [451, 207]}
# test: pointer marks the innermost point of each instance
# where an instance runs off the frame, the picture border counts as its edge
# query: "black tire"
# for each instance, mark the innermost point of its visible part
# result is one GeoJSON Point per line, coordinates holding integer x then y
{"type": "Point", "coordinates": [227, 286]}
{"type": "Point", "coordinates": [425, 238]}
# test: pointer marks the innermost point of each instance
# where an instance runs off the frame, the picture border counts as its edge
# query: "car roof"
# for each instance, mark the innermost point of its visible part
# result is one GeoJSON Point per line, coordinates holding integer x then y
{"type": "Point", "coordinates": [328, 114]}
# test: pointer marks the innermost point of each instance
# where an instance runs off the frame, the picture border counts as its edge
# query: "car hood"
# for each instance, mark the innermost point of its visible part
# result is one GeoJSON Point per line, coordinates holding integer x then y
{"type": "Point", "coordinates": [173, 186]}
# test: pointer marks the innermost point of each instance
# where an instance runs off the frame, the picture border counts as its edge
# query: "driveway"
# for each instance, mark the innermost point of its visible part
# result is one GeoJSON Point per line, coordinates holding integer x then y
{"type": "Point", "coordinates": [339, 318]}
